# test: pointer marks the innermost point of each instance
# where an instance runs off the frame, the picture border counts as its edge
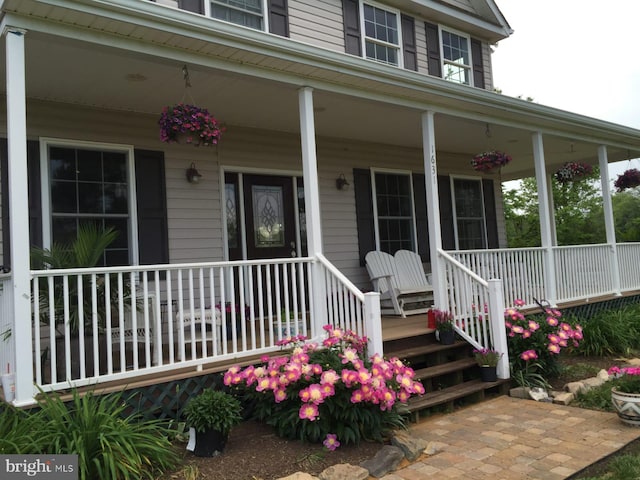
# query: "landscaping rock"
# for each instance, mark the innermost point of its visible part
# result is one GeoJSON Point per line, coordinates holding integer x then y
{"type": "Point", "coordinates": [433, 448]}
{"type": "Point", "coordinates": [520, 392]}
{"type": "Point", "coordinates": [344, 471]}
{"type": "Point", "coordinates": [539, 394]}
{"type": "Point", "coordinates": [603, 375]}
{"type": "Point", "coordinates": [575, 387]}
{"type": "Point", "coordinates": [299, 476]}
{"type": "Point", "coordinates": [391, 476]}
{"type": "Point", "coordinates": [593, 382]}
{"type": "Point", "coordinates": [411, 447]}
{"type": "Point", "coordinates": [564, 398]}
{"type": "Point", "coordinates": [385, 461]}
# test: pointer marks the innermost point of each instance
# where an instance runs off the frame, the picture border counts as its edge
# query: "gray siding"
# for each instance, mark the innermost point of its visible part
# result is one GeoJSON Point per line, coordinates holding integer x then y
{"type": "Point", "coordinates": [194, 210]}
{"type": "Point", "coordinates": [318, 22]}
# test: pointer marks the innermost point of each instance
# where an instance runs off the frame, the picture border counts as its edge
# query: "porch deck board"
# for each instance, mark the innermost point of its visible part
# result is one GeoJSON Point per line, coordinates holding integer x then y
{"type": "Point", "coordinates": [396, 327]}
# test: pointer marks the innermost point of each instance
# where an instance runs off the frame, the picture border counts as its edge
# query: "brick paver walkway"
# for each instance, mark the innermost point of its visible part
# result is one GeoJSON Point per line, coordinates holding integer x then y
{"type": "Point", "coordinates": [507, 438]}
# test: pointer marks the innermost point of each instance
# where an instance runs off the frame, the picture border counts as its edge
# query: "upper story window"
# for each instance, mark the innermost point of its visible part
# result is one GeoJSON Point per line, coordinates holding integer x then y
{"type": "Point", "coordinates": [381, 37]}
{"type": "Point", "coordinates": [248, 13]}
{"type": "Point", "coordinates": [456, 57]}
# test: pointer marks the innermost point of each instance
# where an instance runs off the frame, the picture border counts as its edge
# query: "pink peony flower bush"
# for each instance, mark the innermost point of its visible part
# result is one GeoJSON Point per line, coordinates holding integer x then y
{"type": "Point", "coordinates": [538, 339]}
{"type": "Point", "coordinates": [330, 392]}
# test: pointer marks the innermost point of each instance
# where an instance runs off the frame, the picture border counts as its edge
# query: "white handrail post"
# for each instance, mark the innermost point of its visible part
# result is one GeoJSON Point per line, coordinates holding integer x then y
{"type": "Point", "coordinates": [18, 212]}
{"type": "Point", "coordinates": [373, 322]}
{"type": "Point", "coordinates": [498, 330]}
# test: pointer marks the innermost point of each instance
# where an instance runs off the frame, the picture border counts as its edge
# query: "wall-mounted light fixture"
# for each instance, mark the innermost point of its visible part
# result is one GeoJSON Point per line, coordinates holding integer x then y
{"type": "Point", "coordinates": [193, 176]}
{"type": "Point", "coordinates": [341, 182]}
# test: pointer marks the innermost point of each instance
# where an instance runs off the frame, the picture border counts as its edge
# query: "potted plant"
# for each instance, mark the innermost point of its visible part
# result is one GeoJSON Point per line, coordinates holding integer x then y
{"type": "Point", "coordinates": [487, 359]}
{"type": "Point", "coordinates": [629, 179]}
{"type": "Point", "coordinates": [625, 394]}
{"type": "Point", "coordinates": [445, 332]}
{"type": "Point", "coordinates": [189, 124]}
{"type": "Point", "coordinates": [572, 171]}
{"type": "Point", "coordinates": [487, 161]}
{"type": "Point", "coordinates": [211, 415]}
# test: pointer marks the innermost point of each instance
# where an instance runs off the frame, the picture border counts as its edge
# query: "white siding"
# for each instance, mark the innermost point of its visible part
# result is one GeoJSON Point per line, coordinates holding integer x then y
{"type": "Point", "coordinates": [318, 22]}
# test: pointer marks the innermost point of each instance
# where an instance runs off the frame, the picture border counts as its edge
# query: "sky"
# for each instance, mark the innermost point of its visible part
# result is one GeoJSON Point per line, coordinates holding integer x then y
{"type": "Point", "coordinates": [576, 55]}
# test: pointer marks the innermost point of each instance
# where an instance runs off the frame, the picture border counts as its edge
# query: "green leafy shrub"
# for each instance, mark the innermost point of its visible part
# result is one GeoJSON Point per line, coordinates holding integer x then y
{"type": "Point", "coordinates": [213, 410]}
{"type": "Point", "coordinates": [330, 392]}
{"type": "Point", "coordinates": [109, 443]}
{"type": "Point", "coordinates": [17, 433]}
{"type": "Point", "coordinates": [596, 398]}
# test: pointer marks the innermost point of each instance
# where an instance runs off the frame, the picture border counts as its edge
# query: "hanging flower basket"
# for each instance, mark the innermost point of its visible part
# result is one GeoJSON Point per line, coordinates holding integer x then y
{"type": "Point", "coordinates": [629, 179]}
{"type": "Point", "coordinates": [572, 171]}
{"type": "Point", "coordinates": [487, 161]}
{"type": "Point", "coordinates": [189, 124]}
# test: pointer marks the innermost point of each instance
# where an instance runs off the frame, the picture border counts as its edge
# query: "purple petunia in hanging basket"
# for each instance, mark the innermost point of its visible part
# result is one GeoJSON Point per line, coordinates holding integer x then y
{"type": "Point", "coordinates": [489, 160]}
{"type": "Point", "coordinates": [572, 171]}
{"type": "Point", "coordinates": [189, 124]}
{"type": "Point", "coordinates": [629, 179]}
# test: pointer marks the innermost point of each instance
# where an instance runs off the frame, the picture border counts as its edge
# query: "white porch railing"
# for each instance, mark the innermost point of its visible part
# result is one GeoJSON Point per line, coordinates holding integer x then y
{"type": "Point", "coordinates": [629, 266]}
{"type": "Point", "coordinates": [105, 324]}
{"type": "Point", "coordinates": [520, 269]}
{"type": "Point", "coordinates": [582, 272]}
{"type": "Point", "coordinates": [477, 307]}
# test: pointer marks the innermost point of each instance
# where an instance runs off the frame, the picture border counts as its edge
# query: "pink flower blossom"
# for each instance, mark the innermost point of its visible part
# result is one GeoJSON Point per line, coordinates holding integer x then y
{"type": "Point", "coordinates": [529, 355]}
{"type": "Point", "coordinates": [519, 302]}
{"type": "Point", "coordinates": [331, 442]}
{"type": "Point", "coordinates": [308, 411]}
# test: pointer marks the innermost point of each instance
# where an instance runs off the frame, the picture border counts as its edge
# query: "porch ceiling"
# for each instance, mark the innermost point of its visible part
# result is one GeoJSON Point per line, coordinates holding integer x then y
{"type": "Point", "coordinates": [87, 67]}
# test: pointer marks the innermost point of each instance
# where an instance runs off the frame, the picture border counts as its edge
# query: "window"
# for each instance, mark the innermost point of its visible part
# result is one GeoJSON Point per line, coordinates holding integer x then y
{"type": "Point", "coordinates": [90, 185]}
{"type": "Point", "coordinates": [456, 57]}
{"type": "Point", "coordinates": [393, 211]}
{"type": "Point", "coordinates": [469, 223]}
{"type": "Point", "coordinates": [248, 13]}
{"type": "Point", "coordinates": [381, 39]}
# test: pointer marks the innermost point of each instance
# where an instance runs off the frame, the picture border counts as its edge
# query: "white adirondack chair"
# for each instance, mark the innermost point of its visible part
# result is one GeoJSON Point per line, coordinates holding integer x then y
{"type": "Point", "coordinates": [397, 281]}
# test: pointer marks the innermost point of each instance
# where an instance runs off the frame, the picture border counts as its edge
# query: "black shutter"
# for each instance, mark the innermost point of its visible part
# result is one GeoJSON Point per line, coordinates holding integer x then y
{"type": "Point", "coordinates": [364, 212]}
{"type": "Point", "coordinates": [195, 6]}
{"type": "Point", "coordinates": [278, 17]}
{"type": "Point", "coordinates": [446, 213]}
{"type": "Point", "coordinates": [351, 27]}
{"type": "Point", "coordinates": [35, 204]}
{"type": "Point", "coordinates": [433, 50]}
{"type": "Point", "coordinates": [490, 213]}
{"type": "Point", "coordinates": [409, 43]}
{"type": "Point", "coordinates": [153, 242]}
{"type": "Point", "coordinates": [478, 67]}
{"type": "Point", "coordinates": [422, 222]}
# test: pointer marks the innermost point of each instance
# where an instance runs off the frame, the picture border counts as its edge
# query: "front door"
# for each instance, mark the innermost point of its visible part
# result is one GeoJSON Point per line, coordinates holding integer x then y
{"type": "Point", "coordinates": [270, 216]}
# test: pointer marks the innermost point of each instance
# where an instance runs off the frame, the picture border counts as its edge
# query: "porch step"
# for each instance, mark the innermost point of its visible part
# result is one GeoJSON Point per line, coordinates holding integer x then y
{"type": "Point", "coordinates": [466, 390]}
{"type": "Point", "coordinates": [449, 367]}
{"type": "Point", "coordinates": [424, 349]}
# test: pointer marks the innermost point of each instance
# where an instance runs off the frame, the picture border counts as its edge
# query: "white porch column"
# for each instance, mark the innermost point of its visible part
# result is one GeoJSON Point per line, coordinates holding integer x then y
{"type": "Point", "coordinates": [312, 203]}
{"type": "Point", "coordinates": [433, 208]}
{"type": "Point", "coordinates": [19, 214]}
{"type": "Point", "coordinates": [545, 217]}
{"type": "Point", "coordinates": [609, 222]}
{"type": "Point", "coordinates": [552, 212]}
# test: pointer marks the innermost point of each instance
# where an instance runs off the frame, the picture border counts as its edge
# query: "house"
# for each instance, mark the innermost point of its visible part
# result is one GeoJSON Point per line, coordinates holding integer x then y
{"type": "Point", "coordinates": [350, 125]}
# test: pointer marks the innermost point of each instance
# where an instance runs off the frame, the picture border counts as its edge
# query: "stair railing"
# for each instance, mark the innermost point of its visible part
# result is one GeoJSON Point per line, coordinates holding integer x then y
{"type": "Point", "coordinates": [477, 306]}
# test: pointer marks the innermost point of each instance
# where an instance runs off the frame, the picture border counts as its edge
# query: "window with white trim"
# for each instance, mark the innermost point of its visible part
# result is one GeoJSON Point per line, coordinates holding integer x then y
{"type": "Point", "coordinates": [90, 185]}
{"type": "Point", "coordinates": [382, 34]}
{"type": "Point", "coordinates": [456, 57]}
{"type": "Point", "coordinates": [249, 13]}
{"type": "Point", "coordinates": [393, 211]}
{"type": "Point", "coordinates": [469, 218]}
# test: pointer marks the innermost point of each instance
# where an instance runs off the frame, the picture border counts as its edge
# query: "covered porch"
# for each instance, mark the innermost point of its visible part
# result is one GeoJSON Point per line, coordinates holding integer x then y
{"type": "Point", "coordinates": [292, 111]}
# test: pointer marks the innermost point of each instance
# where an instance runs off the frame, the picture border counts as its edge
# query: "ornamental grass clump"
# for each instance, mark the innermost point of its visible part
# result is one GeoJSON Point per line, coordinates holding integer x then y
{"type": "Point", "coordinates": [487, 357]}
{"type": "Point", "coordinates": [534, 342]}
{"type": "Point", "coordinates": [330, 392]}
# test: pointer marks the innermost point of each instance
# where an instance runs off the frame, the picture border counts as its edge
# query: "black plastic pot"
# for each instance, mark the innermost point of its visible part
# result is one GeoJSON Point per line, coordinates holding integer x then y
{"type": "Point", "coordinates": [488, 374]}
{"type": "Point", "coordinates": [447, 337]}
{"type": "Point", "coordinates": [210, 443]}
